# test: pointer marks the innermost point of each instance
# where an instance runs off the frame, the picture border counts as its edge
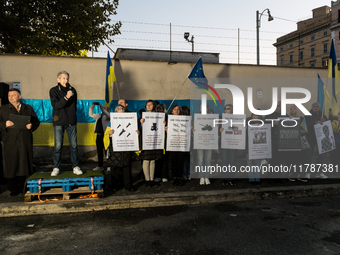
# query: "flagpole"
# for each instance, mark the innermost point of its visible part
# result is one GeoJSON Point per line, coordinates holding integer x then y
{"type": "Point", "coordinates": [176, 94]}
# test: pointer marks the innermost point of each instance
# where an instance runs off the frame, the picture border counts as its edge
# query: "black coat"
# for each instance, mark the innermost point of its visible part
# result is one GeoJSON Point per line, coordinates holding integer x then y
{"type": "Point", "coordinates": [17, 144]}
{"type": "Point", "coordinates": [64, 110]}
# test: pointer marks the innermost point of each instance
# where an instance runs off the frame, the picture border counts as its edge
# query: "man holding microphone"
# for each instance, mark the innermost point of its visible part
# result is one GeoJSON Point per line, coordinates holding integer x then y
{"type": "Point", "coordinates": [64, 102]}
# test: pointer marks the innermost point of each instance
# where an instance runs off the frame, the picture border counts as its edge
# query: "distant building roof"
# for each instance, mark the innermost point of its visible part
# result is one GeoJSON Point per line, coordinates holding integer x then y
{"type": "Point", "coordinates": [163, 55]}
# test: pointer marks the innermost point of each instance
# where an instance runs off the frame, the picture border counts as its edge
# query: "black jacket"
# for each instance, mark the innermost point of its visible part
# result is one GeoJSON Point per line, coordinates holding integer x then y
{"type": "Point", "coordinates": [17, 143]}
{"type": "Point", "coordinates": [64, 110]}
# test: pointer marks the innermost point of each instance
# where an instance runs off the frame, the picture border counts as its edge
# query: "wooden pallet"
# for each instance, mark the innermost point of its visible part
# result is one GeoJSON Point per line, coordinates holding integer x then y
{"type": "Point", "coordinates": [66, 195]}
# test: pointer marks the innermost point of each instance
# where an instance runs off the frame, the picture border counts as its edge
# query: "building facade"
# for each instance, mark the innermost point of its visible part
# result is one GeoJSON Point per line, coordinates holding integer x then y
{"type": "Point", "coordinates": [309, 45]}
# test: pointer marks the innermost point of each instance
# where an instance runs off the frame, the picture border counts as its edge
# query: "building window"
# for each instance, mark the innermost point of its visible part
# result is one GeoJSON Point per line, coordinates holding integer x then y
{"type": "Point", "coordinates": [290, 58]}
{"type": "Point", "coordinates": [339, 32]}
{"type": "Point", "coordinates": [301, 41]}
{"type": "Point", "coordinates": [281, 61]}
{"type": "Point", "coordinates": [291, 45]}
{"type": "Point", "coordinates": [281, 48]}
{"type": "Point", "coordinates": [325, 47]}
{"type": "Point", "coordinates": [338, 16]}
{"type": "Point", "coordinates": [325, 33]}
{"type": "Point", "coordinates": [312, 64]}
{"type": "Point", "coordinates": [312, 38]}
{"type": "Point", "coordinates": [301, 54]}
{"type": "Point", "coordinates": [312, 51]}
{"type": "Point", "coordinates": [325, 62]}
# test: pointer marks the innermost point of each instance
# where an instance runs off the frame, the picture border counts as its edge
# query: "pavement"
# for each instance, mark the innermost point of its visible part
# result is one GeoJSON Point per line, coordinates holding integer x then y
{"type": "Point", "coordinates": [166, 194]}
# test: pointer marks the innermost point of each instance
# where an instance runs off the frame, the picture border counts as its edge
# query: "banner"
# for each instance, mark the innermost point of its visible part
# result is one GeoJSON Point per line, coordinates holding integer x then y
{"type": "Point", "coordinates": [205, 134]}
{"type": "Point", "coordinates": [259, 142]}
{"type": "Point", "coordinates": [178, 133]}
{"type": "Point", "coordinates": [289, 134]}
{"type": "Point", "coordinates": [124, 137]}
{"type": "Point", "coordinates": [153, 130]}
{"type": "Point", "coordinates": [233, 135]}
{"type": "Point", "coordinates": [324, 137]}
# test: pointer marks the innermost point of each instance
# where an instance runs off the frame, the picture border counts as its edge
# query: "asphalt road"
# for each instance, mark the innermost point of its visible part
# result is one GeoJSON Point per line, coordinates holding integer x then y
{"type": "Point", "coordinates": [288, 226]}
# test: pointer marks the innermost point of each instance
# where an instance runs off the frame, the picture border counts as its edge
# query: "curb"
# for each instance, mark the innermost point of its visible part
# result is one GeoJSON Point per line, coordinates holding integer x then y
{"type": "Point", "coordinates": [167, 199]}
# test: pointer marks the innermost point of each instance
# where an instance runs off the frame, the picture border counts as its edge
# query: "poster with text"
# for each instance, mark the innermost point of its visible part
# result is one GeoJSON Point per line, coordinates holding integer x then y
{"type": "Point", "coordinates": [259, 142]}
{"type": "Point", "coordinates": [153, 130]}
{"type": "Point", "coordinates": [124, 137]}
{"type": "Point", "coordinates": [289, 134]}
{"type": "Point", "coordinates": [324, 137]}
{"type": "Point", "coordinates": [205, 134]}
{"type": "Point", "coordinates": [179, 132]}
{"type": "Point", "coordinates": [233, 135]}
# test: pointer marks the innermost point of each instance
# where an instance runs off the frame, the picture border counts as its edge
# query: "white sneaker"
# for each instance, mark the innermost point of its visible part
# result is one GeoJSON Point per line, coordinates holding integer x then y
{"type": "Point", "coordinates": [55, 171]}
{"type": "Point", "coordinates": [202, 181]}
{"type": "Point", "coordinates": [207, 182]}
{"type": "Point", "coordinates": [264, 162]}
{"type": "Point", "coordinates": [323, 176]}
{"type": "Point", "coordinates": [307, 176]}
{"type": "Point", "coordinates": [77, 171]}
{"type": "Point", "coordinates": [164, 180]}
{"type": "Point", "coordinates": [98, 168]}
{"type": "Point", "coordinates": [157, 180]}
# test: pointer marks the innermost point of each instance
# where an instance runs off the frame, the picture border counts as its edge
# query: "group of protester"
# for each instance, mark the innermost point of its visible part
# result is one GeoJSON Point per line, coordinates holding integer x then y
{"type": "Point", "coordinates": [156, 164]}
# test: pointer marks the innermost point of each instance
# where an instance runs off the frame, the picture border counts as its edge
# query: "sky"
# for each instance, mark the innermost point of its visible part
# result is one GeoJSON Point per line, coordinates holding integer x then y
{"type": "Point", "coordinates": [225, 27]}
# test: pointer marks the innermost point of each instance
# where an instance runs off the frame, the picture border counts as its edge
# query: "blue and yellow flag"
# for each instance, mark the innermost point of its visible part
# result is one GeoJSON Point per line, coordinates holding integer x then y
{"type": "Point", "coordinates": [110, 78]}
{"type": "Point", "coordinates": [304, 125]}
{"type": "Point", "coordinates": [333, 73]}
{"type": "Point", "coordinates": [323, 97]}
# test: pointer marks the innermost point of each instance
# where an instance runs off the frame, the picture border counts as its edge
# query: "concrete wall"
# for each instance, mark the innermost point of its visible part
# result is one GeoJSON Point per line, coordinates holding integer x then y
{"type": "Point", "coordinates": [138, 80]}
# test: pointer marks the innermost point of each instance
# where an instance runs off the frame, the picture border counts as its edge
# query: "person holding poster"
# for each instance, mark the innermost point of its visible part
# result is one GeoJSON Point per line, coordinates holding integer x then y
{"type": "Point", "coordinates": [304, 155]}
{"type": "Point", "coordinates": [149, 157]}
{"type": "Point", "coordinates": [277, 156]}
{"type": "Point", "coordinates": [120, 161]}
{"type": "Point", "coordinates": [336, 131]}
{"type": "Point", "coordinates": [177, 156]}
{"type": "Point", "coordinates": [187, 156]}
{"type": "Point", "coordinates": [205, 140]}
{"type": "Point", "coordinates": [254, 176]}
{"type": "Point", "coordinates": [228, 155]}
{"type": "Point", "coordinates": [316, 118]}
{"type": "Point", "coordinates": [162, 165]}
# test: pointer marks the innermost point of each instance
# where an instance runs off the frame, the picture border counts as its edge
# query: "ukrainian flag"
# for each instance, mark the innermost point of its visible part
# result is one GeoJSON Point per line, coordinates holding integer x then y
{"type": "Point", "coordinates": [110, 78]}
{"type": "Point", "coordinates": [323, 97]}
{"type": "Point", "coordinates": [333, 73]}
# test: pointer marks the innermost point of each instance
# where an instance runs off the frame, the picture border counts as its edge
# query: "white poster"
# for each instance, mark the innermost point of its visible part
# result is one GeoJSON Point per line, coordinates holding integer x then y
{"type": "Point", "coordinates": [153, 130]}
{"type": "Point", "coordinates": [124, 137]}
{"type": "Point", "coordinates": [324, 137]}
{"type": "Point", "coordinates": [179, 132]}
{"type": "Point", "coordinates": [259, 142]}
{"type": "Point", "coordinates": [205, 134]}
{"type": "Point", "coordinates": [233, 135]}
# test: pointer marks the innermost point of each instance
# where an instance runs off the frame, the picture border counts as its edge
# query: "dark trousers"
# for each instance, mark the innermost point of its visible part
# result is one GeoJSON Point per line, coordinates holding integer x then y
{"type": "Point", "coordinates": [119, 173]}
{"type": "Point", "coordinates": [176, 163]}
{"type": "Point", "coordinates": [16, 184]}
{"type": "Point", "coordinates": [100, 149]}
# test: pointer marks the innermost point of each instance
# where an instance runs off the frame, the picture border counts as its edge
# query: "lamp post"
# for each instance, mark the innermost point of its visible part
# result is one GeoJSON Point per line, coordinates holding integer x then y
{"type": "Point", "coordinates": [258, 25]}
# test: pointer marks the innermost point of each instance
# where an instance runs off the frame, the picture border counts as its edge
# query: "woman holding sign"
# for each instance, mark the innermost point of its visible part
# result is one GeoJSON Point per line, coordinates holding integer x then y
{"type": "Point", "coordinates": [176, 157]}
{"type": "Point", "coordinates": [120, 161]}
{"type": "Point", "coordinates": [149, 157]}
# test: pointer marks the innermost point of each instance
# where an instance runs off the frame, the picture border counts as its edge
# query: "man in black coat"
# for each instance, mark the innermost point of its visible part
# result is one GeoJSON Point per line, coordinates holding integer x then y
{"type": "Point", "coordinates": [17, 142]}
{"type": "Point", "coordinates": [64, 102]}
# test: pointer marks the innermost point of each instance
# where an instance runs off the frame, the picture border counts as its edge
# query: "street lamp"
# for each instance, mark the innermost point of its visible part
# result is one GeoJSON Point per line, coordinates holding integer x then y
{"type": "Point", "coordinates": [258, 25]}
